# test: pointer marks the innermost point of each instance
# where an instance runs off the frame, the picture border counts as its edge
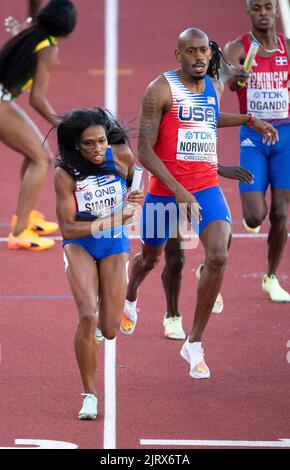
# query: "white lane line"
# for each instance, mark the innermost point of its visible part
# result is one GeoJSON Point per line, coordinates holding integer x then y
{"type": "Point", "coordinates": [111, 55]}
{"type": "Point", "coordinates": [110, 395]}
{"type": "Point", "coordinates": [111, 102]}
{"type": "Point", "coordinates": [187, 442]}
{"type": "Point", "coordinates": [137, 237]}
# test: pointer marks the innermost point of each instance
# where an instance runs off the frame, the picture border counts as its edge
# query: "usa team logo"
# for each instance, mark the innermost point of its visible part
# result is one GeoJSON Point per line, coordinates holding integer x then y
{"type": "Point", "coordinates": [281, 60]}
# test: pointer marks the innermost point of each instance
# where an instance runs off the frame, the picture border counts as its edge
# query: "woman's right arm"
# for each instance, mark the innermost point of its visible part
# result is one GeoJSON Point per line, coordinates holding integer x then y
{"type": "Point", "coordinates": [66, 211]}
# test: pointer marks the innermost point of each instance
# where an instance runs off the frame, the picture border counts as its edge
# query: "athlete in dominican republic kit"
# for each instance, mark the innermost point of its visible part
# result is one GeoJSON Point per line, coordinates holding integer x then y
{"type": "Point", "coordinates": [265, 94]}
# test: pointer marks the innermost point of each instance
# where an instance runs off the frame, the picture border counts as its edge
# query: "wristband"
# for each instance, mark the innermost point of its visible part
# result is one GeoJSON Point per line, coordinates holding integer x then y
{"type": "Point", "coordinates": [251, 120]}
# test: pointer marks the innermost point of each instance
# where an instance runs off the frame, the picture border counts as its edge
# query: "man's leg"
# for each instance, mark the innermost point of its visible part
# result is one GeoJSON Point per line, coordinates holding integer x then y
{"type": "Point", "coordinates": [254, 208]}
{"type": "Point", "coordinates": [277, 239]}
{"type": "Point", "coordinates": [172, 275]}
{"type": "Point", "coordinates": [215, 239]}
{"type": "Point", "coordinates": [142, 264]}
{"type": "Point", "coordinates": [171, 280]}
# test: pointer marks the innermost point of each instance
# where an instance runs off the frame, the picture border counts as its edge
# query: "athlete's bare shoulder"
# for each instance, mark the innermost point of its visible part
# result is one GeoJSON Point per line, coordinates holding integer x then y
{"type": "Point", "coordinates": [123, 155]}
{"type": "Point", "coordinates": [287, 42]}
{"type": "Point", "coordinates": [219, 87]}
{"type": "Point", "coordinates": [234, 51]}
{"type": "Point", "coordinates": [158, 94]}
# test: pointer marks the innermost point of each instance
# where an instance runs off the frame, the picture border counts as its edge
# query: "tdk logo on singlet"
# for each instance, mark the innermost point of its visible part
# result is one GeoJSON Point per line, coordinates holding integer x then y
{"type": "Point", "coordinates": [196, 113]}
{"type": "Point", "coordinates": [202, 135]}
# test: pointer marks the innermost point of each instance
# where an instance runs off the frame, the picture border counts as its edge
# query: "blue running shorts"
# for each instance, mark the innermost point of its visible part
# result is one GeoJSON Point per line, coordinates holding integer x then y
{"type": "Point", "coordinates": [104, 244]}
{"type": "Point", "coordinates": [269, 164]}
{"type": "Point", "coordinates": [160, 214]}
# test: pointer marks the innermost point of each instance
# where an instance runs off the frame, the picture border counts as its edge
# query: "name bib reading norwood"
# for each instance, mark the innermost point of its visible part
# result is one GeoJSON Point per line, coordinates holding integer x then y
{"type": "Point", "coordinates": [197, 145]}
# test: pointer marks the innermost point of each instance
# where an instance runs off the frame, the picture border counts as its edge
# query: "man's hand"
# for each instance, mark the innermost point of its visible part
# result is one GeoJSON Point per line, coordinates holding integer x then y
{"type": "Point", "coordinates": [185, 197]}
{"type": "Point", "coordinates": [269, 133]}
{"type": "Point", "coordinates": [237, 74]}
{"type": "Point", "coordinates": [13, 26]}
{"type": "Point", "coordinates": [236, 173]}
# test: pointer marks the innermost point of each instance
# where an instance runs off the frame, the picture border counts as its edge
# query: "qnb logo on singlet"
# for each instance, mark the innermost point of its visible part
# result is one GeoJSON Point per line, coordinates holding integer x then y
{"type": "Point", "coordinates": [197, 145]}
{"type": "Point", "coordinates": [101, 201]}
{"type": "Point", "coordinates": [188, 113]}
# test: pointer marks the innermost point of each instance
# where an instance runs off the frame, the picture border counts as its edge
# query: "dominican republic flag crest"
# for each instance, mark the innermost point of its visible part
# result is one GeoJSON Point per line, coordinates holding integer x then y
{"type": "Point", "coordinates": [281, 60]}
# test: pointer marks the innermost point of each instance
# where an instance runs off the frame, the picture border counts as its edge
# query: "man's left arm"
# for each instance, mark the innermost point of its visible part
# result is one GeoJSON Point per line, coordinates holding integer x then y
{"type": "Point", "coordinates": [269, 133]}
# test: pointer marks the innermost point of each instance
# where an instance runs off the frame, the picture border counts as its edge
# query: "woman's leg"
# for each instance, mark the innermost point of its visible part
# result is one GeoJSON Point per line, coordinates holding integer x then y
{"type": "Point", "coordinates": [82, 275]}
{"type": "Point", "coordinates": [112, 293]}
{"type": "Point", "coordinates": [18, 132]}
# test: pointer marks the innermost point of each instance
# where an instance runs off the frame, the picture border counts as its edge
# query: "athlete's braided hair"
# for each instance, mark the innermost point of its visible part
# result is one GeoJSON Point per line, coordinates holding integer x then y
{"type": "Point", "coordinates": [17, 57]}
{"type": "Point", "coordinates": [69, 132]}
{"type": "Point", "coordinates": [217, 62]}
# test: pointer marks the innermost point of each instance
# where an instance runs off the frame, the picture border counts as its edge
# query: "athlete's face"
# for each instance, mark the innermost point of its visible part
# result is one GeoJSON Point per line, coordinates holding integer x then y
{"type": "Point", "coordinates": [93, 144]}
{"type": "Point", "coordinates": [263, 14]}
{"type": "Point", "coordinates": [194, 56]}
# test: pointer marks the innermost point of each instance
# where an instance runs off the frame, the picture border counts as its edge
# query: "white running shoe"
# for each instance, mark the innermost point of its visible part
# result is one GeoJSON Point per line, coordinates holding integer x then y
{"type": "Point", "coordinates": [99, 335]}
{"type": "Point", "coordinates": [129, 318]}
{"type": "Point", "coordinates": [271, 286]}
{"type": "Point", "coordinates": [194, 354]}
{"type": "Point", "coordinates": [173, 327]}
{"type": "Point", "coordinates": [89, 409]}
{"type": "Point", "coordinates": [251, 229]}
{"type": "Point", "coordinates": [219, 303]}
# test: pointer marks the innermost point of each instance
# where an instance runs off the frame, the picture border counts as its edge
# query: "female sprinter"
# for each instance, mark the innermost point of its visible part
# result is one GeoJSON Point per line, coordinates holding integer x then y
{"type": "Point", "coordinates": [90, 183]}
{"type": "Point", "coordinates": [26, 62]}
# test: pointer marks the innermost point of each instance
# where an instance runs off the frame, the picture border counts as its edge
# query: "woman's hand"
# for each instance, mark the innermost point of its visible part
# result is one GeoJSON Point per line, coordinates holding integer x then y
{"type": "Point", "coordinates": [136, 197]}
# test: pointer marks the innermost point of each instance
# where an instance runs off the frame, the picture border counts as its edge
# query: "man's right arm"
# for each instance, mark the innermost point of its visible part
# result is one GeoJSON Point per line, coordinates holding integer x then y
{"type": "Point", "coordinates": [156, 102]}
{"type": "Point", "coordinates": [234, 53]}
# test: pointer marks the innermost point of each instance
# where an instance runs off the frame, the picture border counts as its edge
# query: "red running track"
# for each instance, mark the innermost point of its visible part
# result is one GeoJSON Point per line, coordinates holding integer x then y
{"type": "Point", "coordinates": [246, 399]}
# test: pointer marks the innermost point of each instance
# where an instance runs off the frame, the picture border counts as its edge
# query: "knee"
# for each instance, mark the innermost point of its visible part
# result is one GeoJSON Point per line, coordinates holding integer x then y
{"type": "Point", "coordinates": [254, 219]}
{"type": "Point", "coordinates": [46, 159]}
{"type": "Point", "coordinates": [279, 216]}
{"type": "Point", "coordinates": [109, 332]}
{"type": "Point", "coordinates": [217, 258]}
{"type": "Point", "coordinates": [88, 323]}
{"type": "Point", "coordinates": [149, 261]}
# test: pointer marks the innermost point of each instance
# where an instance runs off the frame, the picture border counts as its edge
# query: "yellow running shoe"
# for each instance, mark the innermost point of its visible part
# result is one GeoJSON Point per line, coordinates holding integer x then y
{"type": "Point", "coordinates": [37, 223]}
{"type": "Point", "coordinates": [29, 240]}
{"type": "Point", "coordinates": [271, 286]}
{"type": "Point", "coordinates": [219, 303]}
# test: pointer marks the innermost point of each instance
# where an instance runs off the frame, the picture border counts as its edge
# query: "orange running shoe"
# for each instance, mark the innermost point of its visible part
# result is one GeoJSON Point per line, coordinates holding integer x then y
{"type": "Point", "coordinates": [37, 223]}
{"type": "Point", "coordinates": [129, 318]}
{"type": "Point", "coordinates": [29, 240]}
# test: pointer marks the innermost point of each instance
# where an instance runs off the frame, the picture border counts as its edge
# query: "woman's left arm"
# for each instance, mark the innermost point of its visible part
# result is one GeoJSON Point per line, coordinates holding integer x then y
{"type": "Point", "coordinates": [46, 62]}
